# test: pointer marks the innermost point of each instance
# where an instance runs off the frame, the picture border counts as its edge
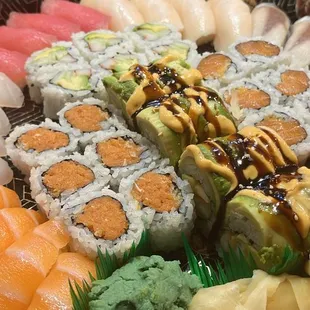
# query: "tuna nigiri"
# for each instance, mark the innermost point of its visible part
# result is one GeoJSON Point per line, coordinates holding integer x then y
{"type": "Point", "coordinates": [123, 12]}
{"type": "Point", "coordinates": [16, 222]}
{"type": "Point", "coordinates": [54, 293]}
{"type": "Point", "coordinates": [159, 11]}
{"type": "Point", "coordinates": [12, 64]}
{"type": "Point", "coordinates": [88, 19]}
{"type": "Point", "coordinates": [10, 95]}
{"type": "Point", "coordinates": [57, 26]}
{"type": "Point", "coordinates": [232, 20]}
{"type": "Point", "coordinates": [26, 263]}
{"type": "Point", "coordinates": [24, 40]}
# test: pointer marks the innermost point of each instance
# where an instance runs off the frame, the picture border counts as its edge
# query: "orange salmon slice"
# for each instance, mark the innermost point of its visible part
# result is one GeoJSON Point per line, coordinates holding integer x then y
{"type": "Point", "coordinates": [214, 66]}
{"type": "Point", "coordinates": [261, 48]}
{"type": "Point", "coordinates": [293, 82]}
{"type": "Point", "coordinates": [8, 198]}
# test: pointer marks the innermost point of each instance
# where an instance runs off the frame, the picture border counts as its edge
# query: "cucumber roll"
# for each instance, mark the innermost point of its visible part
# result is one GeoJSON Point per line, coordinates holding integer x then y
{"type": "Point", "coordinates": [123, 152]}
{"type": "Point", "coordinates": [101, 43]}
{"type": "Point", "coordinates": [86, 118]}
{"type": "Point", "coordinates": [102, 219]}
{"type": "Point", "coordinates": [30, 145]}
{"type": "Point", "coordinates": [166, 202]}
{"type": "Point", "coordinates": [61, 178]}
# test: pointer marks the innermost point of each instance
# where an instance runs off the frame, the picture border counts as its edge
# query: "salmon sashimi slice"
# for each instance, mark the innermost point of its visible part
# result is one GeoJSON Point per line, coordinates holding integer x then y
{"type": "Point", "coordinates": [261, 48]}
{"type": "Point", "coordinates": [54, 292]}
{"type": "Point", "coordinates": [214, 66]}
{"type": "Point", "coordinates": [288, 128]}
{"type": "Point", "coordinates": [7, 303]}
{"type": "Point", "coordinates": [293, 82]}
{"type": "Point", "coordinates": [8, 198]}
{"type": "Point", "coordinates": [16, 222]}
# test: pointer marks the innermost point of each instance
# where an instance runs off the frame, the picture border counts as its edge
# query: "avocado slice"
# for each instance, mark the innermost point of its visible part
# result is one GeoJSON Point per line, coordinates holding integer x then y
{"type": "Point", "coordinates": [151, 32]}
{"type": "Point", "coordinates": [178, 49]}
{"type": "Point", "coordinates": [73, 80]}
{"type": "Point", "coordinates": [122, 65]}
{"type": "Point", "coordinates": [99, 41]}
{"type": "Point", "coordinates": [52, 55]}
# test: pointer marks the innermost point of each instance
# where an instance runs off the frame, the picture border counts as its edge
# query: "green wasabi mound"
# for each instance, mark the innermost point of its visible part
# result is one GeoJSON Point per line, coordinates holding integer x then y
{"type": "Point", "coordinates": [145, 283]}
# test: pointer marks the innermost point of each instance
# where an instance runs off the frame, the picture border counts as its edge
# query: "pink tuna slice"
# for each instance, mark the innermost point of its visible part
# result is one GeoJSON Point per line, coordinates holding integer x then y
{"type": "Point", "coordinates": [88, 19]}
{"type": "Point", "coordinates": [25, 41]}
{"type": "Point", "coordinates": [53, 25]}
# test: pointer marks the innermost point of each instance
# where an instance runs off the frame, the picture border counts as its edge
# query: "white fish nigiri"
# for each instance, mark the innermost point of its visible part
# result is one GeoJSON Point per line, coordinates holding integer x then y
{"type": "Point", "coordinates": [6, 173]}
{"type": "Point", "coordinates": [2, 147]}
{"type": "Point", "coordinates": [271, 23]}
{"type": "Point", "coordinates": [5, 125]}
{"type": "Point", "coordinates": [197, 18]}
{"type": "Point", "coordinates": [232, 20]}
{"type": "Point", "coordinates": [123, 12]}
{"type": "Point", "coordinates": [298, 44]}
{"type": "Point", "coordinates": [159, 11]}
{"type": "Point", "coordinates": [11, 95]}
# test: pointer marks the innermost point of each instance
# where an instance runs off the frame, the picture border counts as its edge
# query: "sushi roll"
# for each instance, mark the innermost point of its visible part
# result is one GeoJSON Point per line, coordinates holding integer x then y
{"type": "Point", "coordinates": [61, 178]}
{"type": "Point", "coordinates": [292, 124]}
{"type": "Point", "coordinates": [123, 152]}
{"type": "Point", "coordinates": [166, 202]}
{"type": "Point", "coordinates": [247, 96]}
{"type": "Point", "coordinates": [101, 43]}
{"type": "Point", "coordinates": [102, 219]}
{"type": "Point", "coordinates": [86, 118]}
{"type": "Point", "coordinates": [219, 69]}
{"type": "Point", "coordinates": [29, 145]}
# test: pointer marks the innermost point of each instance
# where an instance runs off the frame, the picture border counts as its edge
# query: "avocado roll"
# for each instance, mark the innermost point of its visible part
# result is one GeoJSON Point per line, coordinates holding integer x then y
{"type": "Point", "coordinates": [61, 178]}
{"type": "Point", "coordinates": [123, 152]}
{"type": "Point", "coordinates": [29, 145]}
{"type": "Point", "coordinates": [101, 43]}
{"type": "Point", "coordinates": [102, 219]}
{"type": "Point", "coordinates": [166, 202]}
{"type": "Point", "coordinates": [86, 118]}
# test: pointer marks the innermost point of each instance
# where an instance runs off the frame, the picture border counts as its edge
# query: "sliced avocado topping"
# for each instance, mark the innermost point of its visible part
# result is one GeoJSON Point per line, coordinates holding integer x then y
{"type": "Point", "coordinates": [73, 80]}
{"type": "Point", "coordinates": [51, 55]}
{"type": "Point", "coordinates": [123, 65]}
{"type": "Point", "coordinates": [99, 41]}
{"type": "Point", "coordinates": [124, 89]}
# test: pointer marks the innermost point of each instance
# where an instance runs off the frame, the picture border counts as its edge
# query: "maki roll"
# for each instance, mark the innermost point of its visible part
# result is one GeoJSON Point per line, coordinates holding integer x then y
{"type": "Point", "coordinates": [123, 152]}
{"type": "Point", "coordinates": [101, 43]}
{"type": "Point", "coordinates": [61, 178]}
{"type": "Point", "coordinates": [86, 118]}
{"type": "Point", "coordinates": [29, 145]}
{"type": "Point", "coordinates": [166, 202]}
{"type": "Point", "coordinates": [102, 219]}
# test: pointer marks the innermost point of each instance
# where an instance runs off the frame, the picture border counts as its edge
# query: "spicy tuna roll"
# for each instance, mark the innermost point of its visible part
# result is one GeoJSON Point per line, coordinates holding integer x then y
{"type": "Point", "coordinates": [29, 145]}
{"type": "Point", "coordinates": [166, 201]}
{"type": "Point", "coordinates": [102, 219]}
{"type": "Point", "coordinates": [123, 152]}
{"type": "Point", "coordinates": [61, 178]}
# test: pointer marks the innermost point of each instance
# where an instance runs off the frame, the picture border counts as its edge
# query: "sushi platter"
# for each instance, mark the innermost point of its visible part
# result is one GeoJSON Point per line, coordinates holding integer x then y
{"type": "Point", "coordinates": [154, 154]}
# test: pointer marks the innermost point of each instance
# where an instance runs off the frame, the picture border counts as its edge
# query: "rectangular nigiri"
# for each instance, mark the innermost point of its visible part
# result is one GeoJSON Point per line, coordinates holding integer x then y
{"type": "Point", "coordinates": [88, 19]}
{"type": "Point", "coordinates": [24, 40]}
{"type": "Point", "coordinates": [54, 25]}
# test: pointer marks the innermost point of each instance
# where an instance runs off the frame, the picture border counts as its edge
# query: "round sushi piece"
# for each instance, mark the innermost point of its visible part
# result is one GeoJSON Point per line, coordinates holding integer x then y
{"type": "Point", "coordinates": [245, 96]}
{"type": "Point", "coordinates": [219, 69]}
{"type": "Point", "coordinates": [85, 118]}
{"type": "Point", "coordinates": [166, 201]}
{"type": "Point", "coordinates": [102, 219]}
{"type": "Point", "coordinates": [292, 124]}
{"type": "Point", "coordinates": [29, 145]}
{"type": "Point", "coordinates": [61, 178]}
{"type": "Point", "coordinates": [123, 152]}
{"type": "Point", "coordinates": [101, 42]}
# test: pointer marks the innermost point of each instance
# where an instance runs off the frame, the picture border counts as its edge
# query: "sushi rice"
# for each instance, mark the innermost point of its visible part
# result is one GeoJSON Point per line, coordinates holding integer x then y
{"type": "Point", "coordinates": [26, 160]}
{"type": "Point", "coordinates": [149, 154]}
{"type": "Point", "coordinates": [84, 241]}
{"type": "Point", "coordinates": [165, 228]}
{"type": "Point", "coordinates": [51, 206]}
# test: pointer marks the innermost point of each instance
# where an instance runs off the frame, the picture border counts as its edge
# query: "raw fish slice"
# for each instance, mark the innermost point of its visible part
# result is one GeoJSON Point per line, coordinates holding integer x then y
{"type": "Point", "coordinates": [5, 125]}
{"type": "Point", "coordinates": [6, 173]}
{"type": "Point", "coordinates": [123, 12]}
{"type": "Point", "coordinates": [57, 26]}
{"type": "Point", "coordinates": [53, 292]}
{"type": "Point", "coordinates": [155, 11]}
{"type": "Point", "coordinates": [16, 222]}
{"type": "Point", "coordinates": [24, 40]}
{"type": "Point", "coordinates": [270, 23]}
{"type": "Point", "coordinates": [12, 65]}
{"type": "Point", "coordinates": [298, 44]}
{"type": "Point", "coordinates": [2, 147]}
{"type": "Point", "coordinates": [232, 20]}
{"type": "Point", "coordinates": [8, 198]}
{"type": "Point", "coordinates": [10, 94]}
{"type": "Point", "coordinates": [88, 19]}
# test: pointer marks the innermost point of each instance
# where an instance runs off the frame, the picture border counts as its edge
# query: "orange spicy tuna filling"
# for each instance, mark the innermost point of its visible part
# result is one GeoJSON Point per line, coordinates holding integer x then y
{"type": "Point", "coordinates": [261, 48]}
{"type": "Point", "coordinates": [119, 152]}
{"type": "Point", "coordinates": [43, 139]}
{"type": "Point", "coordinates": [85, 117]}
{"type": "Point", "coordinates": [67, 175]}
{"type": "Point", "coordinates": [214, 66]}
{"type": "Point", "coordinates": [156, 191]}
{"type": "Point", "coordinates": [293, 82]}
{"type": "Point", "coordinates": [104, 217]}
